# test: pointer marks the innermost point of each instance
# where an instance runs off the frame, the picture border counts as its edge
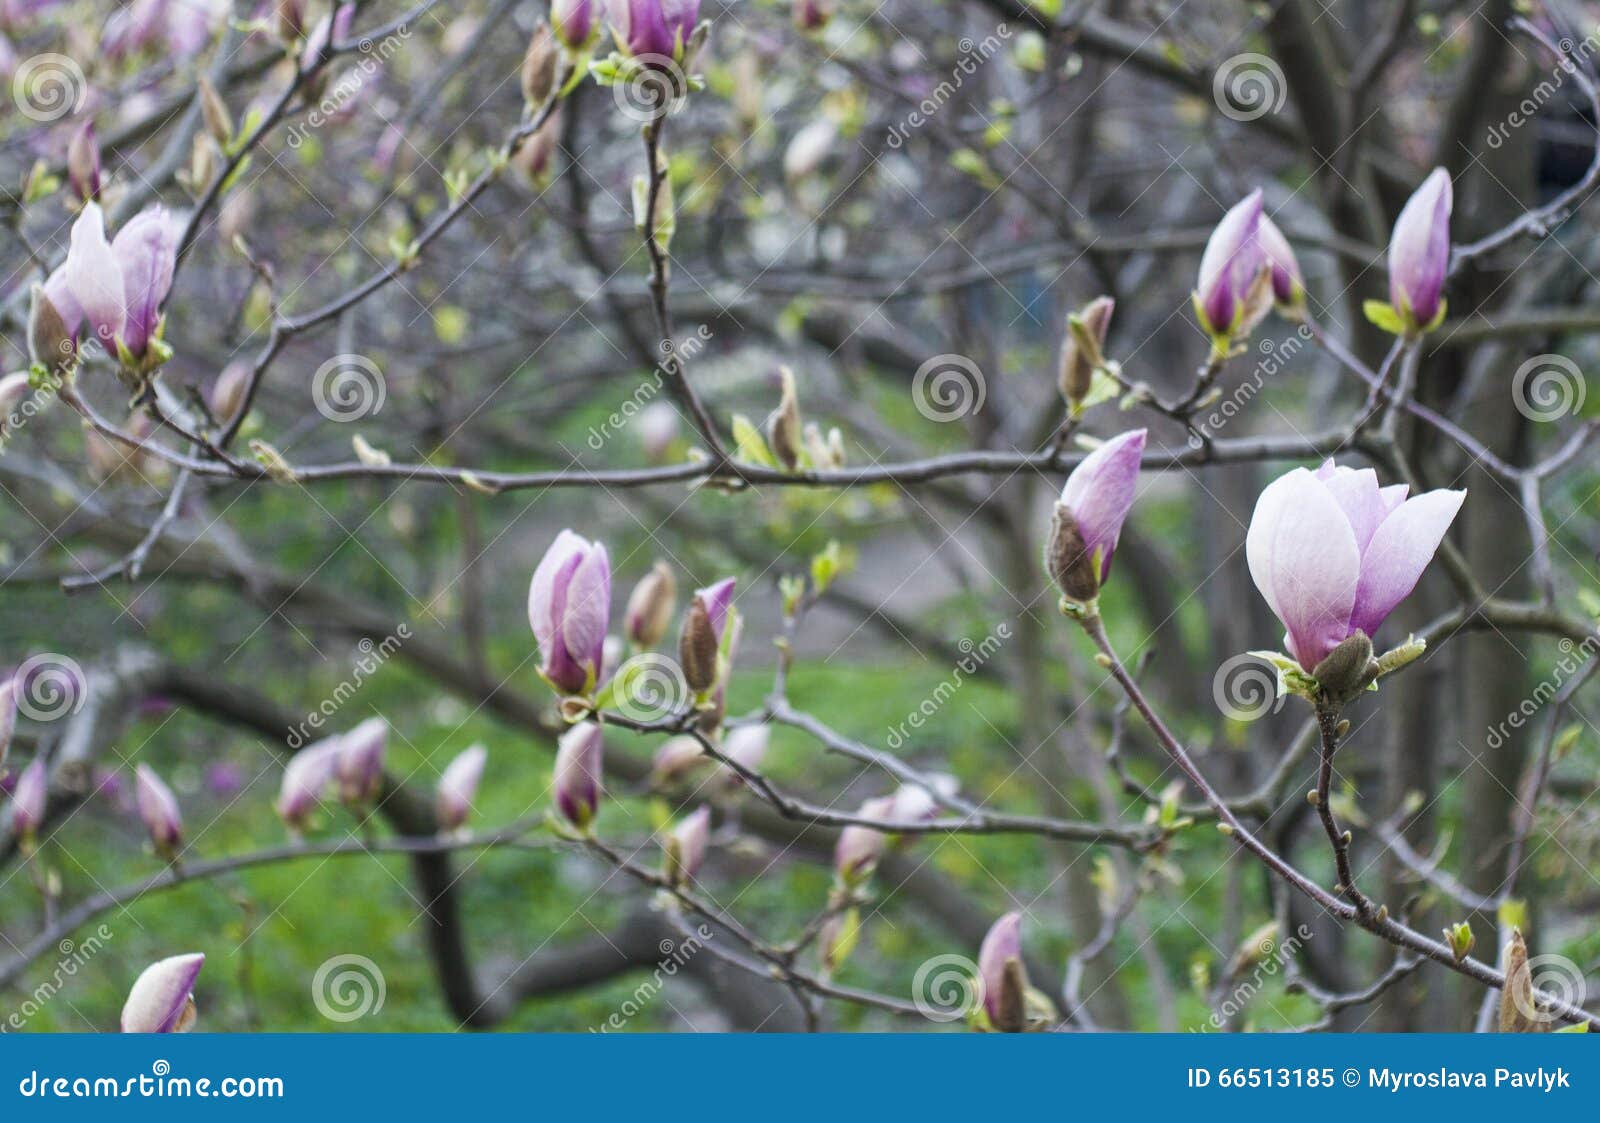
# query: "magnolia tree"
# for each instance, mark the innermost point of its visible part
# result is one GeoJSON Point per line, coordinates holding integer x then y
{"type": "Point", "coordinates": [339, 333]}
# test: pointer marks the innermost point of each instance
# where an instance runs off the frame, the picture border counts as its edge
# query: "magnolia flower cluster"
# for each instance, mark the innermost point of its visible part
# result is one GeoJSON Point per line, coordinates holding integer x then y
{"type": "Point", "coordinates": [1331, 551]}
{"type": "Point", "coordinates": [569, 611]}
{"type": "Point", "coordinates": [351, 762]}
{"type": "Point", "coordinates": [1248, 267]}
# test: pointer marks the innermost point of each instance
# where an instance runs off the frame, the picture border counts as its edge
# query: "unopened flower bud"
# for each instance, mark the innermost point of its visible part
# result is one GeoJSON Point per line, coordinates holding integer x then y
{"type": "Point", "coordinates": [1088, 520]}
{"type": "Point", "coordinates": [219, 122]}
{"type": "Point", "coordinates": [162, 998]}
{"type": "Point", "coordinates": [1346, 670]}
{"type": "Point", "coordinates": [697, 648]}
{"type": "Point", "coordinates": [1460, 938]}
{"type": "Point", "coordinates": [158, 807]}
{"type": "Point", "coordinates": [812, 15]}
{"type": "Point", "coordinates": [28, 801]}
{"type": "Point", "coordinates": [1002, 977]}
{"type": "Point", "coordinates": [650, 605]}
{"type": "Point", "coordinates": [458, 786]}
{"type": "Point", "coordinates": [532, 159]}
{"type": "Point", "coordinates": [676, 757]}
{"type": "Point", "coordinates": [1080, 350]}
{"type": "Point", "coordinates": [1067, 559]}
{"type": "Point", "coordinates": [83, 164]}
{"type": "Point", "coordinates": [686, 845]}
{"type": "Point", "coordinates": [856, 853]}
{"type": "Point", "coordinates": [575, 22]}
{"type": "Point", "coordinates": [305, 779]}
{"type": "Point", "coordinates": [783, 424]}
{"type": "Point", "coordinates": [51, 343]}
{"type": "Point", "coordinates": [539, 68]}
{"type": "Point", "coordinates": [1419, 254]}
{"type": "Point", "coordinates": [227, 393]}
{"type": "Point", "coordinates": [359, 764]}
{"type": "Point", "coordinates": [576, 781]}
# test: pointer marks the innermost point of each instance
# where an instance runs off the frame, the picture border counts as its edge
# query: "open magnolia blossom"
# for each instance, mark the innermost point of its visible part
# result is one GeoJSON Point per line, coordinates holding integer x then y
{"type": "Point", "coordinates": [118, 286]}
{"type": "Point", "coordinates": [1333, 553]}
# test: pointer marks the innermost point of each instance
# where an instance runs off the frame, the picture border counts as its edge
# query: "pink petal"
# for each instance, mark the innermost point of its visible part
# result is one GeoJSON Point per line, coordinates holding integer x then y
{"type": "Point", "coordinates": [1357, 493]}
{"type": "Point", "coordinates": [554, 572]}
{"type": "Point", "coordinates": [1304, 559]}
{"type": "Point", "coordinates": [1399, 552]}
{"type": "Point", "coordinates": [587, 611]}
{"type": "Point", "coordinates": [93, 275]}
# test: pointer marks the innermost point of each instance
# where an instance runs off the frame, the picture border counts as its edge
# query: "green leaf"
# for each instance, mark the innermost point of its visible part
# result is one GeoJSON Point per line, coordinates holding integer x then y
{"type": "Point", "coordinates": [749, 445]}
{"type": "Point", "coordinates": [1381, 314]}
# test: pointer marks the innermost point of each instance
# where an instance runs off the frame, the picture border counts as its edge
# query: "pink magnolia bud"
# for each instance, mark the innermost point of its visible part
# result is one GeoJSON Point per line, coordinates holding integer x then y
{"type": "Point", "coordinates": [656, 427]}
{"type": "Point", "coordinates": [686, 846]}
{"type": "Point", "coordinates": [1333, 553]}
{"type": "Point", "coordinates": [359, 763]}
{"type": "Point", "coordinates": [747, 745]}
{"type": "Point", "coordinates": [649, 610]}
{"type": "Point", "coordinates": [569, 608]}
{"type": "Point", "coordinates": [1230, 268]}
{"type": "Point", "coordinates": [458, 786]}
{"type": "Point", "coordinates": [915, 803]}
{"type": "Point", "coordinates": [701, 637]}
{"type": "Point", "coordinates": [812, 15]}
{"type": "Point", "coordinates": [856, 853]}
{"type": "Point", "coordinates": [162, 998]}
{"type": "Point", "coordinates": [574, 22]}
{"type": "Point", "coordinates": [576, 781]}
{"type": "Point", "coordinates": [158, 807]}
{"type": "Point", "coordinates": [676, 757]}
{"type": "Point", "coordinates": [652, 29]}
{"type": "Point", "coordinates": [1288, 287]}
{"type": "Point", "coordinates": [1419, 253]}
{"type": "Point", "coordinates": [305, 779]}
{"type": "Point", "coordinates": [28, 800]}
{"type": "Point", "coordinates": [1002, 976]}
{"type": "Point", "coordinates": [83, 163]}
{"type": "Point", "coordinates": [1088, 519]}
